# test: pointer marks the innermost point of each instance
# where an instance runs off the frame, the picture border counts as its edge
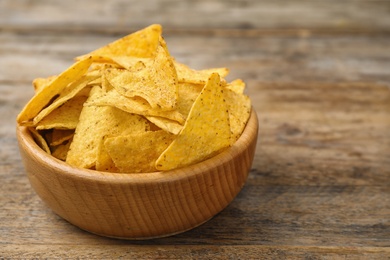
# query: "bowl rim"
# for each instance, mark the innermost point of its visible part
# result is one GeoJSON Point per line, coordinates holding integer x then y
{"type": "Point", "coordinates": [27, 142]}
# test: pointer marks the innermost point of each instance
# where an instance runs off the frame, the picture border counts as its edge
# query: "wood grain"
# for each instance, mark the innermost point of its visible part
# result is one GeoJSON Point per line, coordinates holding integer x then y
{"type": "Point", "coordinates": [318, 73]}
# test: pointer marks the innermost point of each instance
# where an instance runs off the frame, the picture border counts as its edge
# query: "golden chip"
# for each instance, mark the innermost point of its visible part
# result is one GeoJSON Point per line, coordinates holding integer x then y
{"type": "Point", "coordinates": [69, 92]}
{"type": "Point", "coordinates": [39, 139]}
{"type": "Point", "coordinates": [205, 133]}
{"type": "Point", "coordinates": [97, 122]}
{"type": "Point", "coordinates": [65, 116]}
{"type": "Point", "coordinates": [132, 105]}
{"type": "Point", "coordinates": [239, 107]}
{"type": "Point", "coordinates": [141, 44]}
{"type": "Point", "coordinates": [186, 74]}
{"type": "Point", "coordinates": [156, 83]}
{"type": "Point", "coordinates": [44, 97]}
{"type": "Point", "coordinates": [60, 136]}
{"type": "Point", "coordinates": [138, 152]}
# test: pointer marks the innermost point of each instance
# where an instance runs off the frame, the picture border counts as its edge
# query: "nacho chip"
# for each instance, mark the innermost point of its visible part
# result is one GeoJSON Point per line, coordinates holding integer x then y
{"type": "Point", "coordinates": [103, 161]}
{"type": "Point", "coordinates": [166, 124]}
{"type": "Point", "coordinates": [39, 139]}
{"type": "Point", "coordinates": [188, 92]}
{"type": "Point", "coordinates": [44, 97]}
{"type": "Point", "coordinates": [60, 152]}
{"type": "Point", "coordinates": [237, 86]}
{"type": "Point", "coordinates": [239, 107]}
{"type": "Point", "coordinates": [69, 92]}
{"type": "Point", "coordinates": [142, 43]}
{"type": "Point", "coordinates": [205, 133]}
{"type": "Point", "coordinates": [156, 83]}
{"type": "Point", "coordinates": [186, 74]}
{"type": "Point", "coordinates": [137, 152]}
{"type": "Point", "coordinates": [95, 123]}
{"type": "Point", "coordinates": [60, 136]}
{"type": "Point", "coordinates": [65, 116]}
{"type": "Point", "coordinates": [41, 83]}
{"type": "Point", "coordinates": [134, 105]}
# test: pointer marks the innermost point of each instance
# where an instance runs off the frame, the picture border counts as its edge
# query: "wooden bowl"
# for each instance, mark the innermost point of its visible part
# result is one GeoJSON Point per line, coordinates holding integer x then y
{"type": "Point", "coordinates": [134, 205]}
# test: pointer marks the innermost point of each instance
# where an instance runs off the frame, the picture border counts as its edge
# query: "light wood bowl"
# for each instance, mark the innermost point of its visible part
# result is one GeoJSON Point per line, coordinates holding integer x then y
{"type": "Point", "coordinates": [139, 206]}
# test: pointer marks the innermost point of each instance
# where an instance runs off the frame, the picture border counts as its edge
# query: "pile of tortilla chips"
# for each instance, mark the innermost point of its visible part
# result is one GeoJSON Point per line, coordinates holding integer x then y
{"type": "Point", "coordinates": [130, 107]}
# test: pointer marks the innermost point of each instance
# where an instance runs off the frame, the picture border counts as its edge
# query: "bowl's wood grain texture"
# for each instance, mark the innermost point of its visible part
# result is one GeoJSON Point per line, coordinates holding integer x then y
{"type": "Point", "coordinates": [140, 206]}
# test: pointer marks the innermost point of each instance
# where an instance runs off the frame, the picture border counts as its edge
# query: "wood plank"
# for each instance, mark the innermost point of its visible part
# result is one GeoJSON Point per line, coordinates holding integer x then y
{"type": "Point", "coordinates": [194, 252]}
{"type": "Point", "coordinates": [118, 15]}
{"type": "Point", "coordinates": [291, 58]}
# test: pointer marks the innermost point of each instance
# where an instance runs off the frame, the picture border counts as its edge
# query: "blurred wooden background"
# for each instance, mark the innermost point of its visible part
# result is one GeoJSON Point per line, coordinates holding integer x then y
{"type": "Point", "coordinates": [318, 73]}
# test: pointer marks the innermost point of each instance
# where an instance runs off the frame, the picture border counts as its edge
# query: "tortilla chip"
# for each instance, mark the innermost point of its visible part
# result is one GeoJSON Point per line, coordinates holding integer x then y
{"type": "Point", "coordinates": [104, 162]}
{"type": "Point", "coordinates": [44, 97]}
{"type": "Point", "coordinates": [134, 105]}
{"type": "Point", "coordinates": [38, 138]}
{"type": "Point", "coordinates": [156, 83]}
{"type": "Point", "coordinates": [95, 123]}
{"type": "Point", "coordinates": [237, 86]}
{"type": "Point", "coordinates": [69, 92]}
{"type": "Point", "coordinates": [137, 152]}
{"type": "Point", "coordinates": [205, 133]}
{"type": "Point", "coordinates": [186, 74]}
{"type": "Point", "coordinates": [166, 124]}
{"type": "Point", "coordinates": [60, 152]}
{"type": "Point", "coordinates": [142, 43]}
{"type": "Point", "coordinates": [41, 83]}
{"type": "Point", "coordinates": [239, 107]}
{"type": "Point", "coordinates": [60, 136]}
{"type": "Point", "coordinates": [65, 116]}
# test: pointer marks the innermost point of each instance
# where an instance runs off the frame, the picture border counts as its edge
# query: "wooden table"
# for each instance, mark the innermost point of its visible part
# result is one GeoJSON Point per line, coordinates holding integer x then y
{"type": "Point", "coordinates": [318, 74]}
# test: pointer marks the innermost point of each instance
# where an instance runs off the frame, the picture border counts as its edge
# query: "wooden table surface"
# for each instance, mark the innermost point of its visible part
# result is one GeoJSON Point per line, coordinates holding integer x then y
{"type": "Point", "coordinates": [318, 74]}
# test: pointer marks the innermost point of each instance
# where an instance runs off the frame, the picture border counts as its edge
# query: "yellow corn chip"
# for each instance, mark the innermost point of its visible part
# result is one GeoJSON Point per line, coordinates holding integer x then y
{"type": "Point", "coordinates": [40, 83]}
{"type": "Point", "coordinates": [156, 83]}
{"type": "Point", "coordinates": [137, 152]}
{"type": "Point", "coordinates": [95, 123]}
{"type": "Point", "coordinates": [142, 43]}
{"type": "Point", "coordinates": [60, 152]}
{"type": "Point", "coordinates": [205, 133]}
{"type": "Point", "coordinates": [103, 161]}
{"type": "Point", "coordinates": [166, 124]}
{"type": "Point", "coordinates": [65, 116]}
{"type": "Point", "coordinates": [60, 136]}
{"type": "Point", "coordinates": [186, 74]}
{"type": "Point", "coordinates": [69, 92]}
{"type": "Point", "coordinates": [132, 105]}
{"type": "Point", "coordinates": [239, 107]}
{"type": "Point", "coordinates": [188, 92]}
{"type": "Point", "coordinates": [44, 97]}
{"type": "Point", "coordinates": [38, 138]}
{"type": "Point", "coordinates": [237, 86]}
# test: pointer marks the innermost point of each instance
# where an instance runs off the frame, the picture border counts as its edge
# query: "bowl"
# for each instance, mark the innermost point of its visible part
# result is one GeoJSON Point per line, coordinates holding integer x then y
{"type": "Point", "coordinates": [139, 205]}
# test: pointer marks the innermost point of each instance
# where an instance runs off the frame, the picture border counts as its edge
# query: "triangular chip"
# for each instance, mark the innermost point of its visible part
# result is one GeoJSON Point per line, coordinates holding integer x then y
{"type": "Point", "coordinates": [39, 139]}
{"type": "Point", "coordinates": [137, 152]}
{"type": "Point", "coordinates": [53, 89]}
{"type": "Point", "coordinates": [205, 133]}
{"type": "Point", "coordinates": [65, 116]}
{"type": "Point", "coordinates": [239, 107]}
{"type": "Point", "coordinates": [132, 105]}
{"type": "Point", "coordinates": [237, 86]}
{"type": "Point", "coordinates": [69, 92]}
{"type": "Point", "coordinates": [60, 136]}
{"type": "Point", "coordinates": [186, 74]}
{"type": "Point", "coordinates": [61, 151]}
{"type": "Point", "coordinates": [142, 44]}
{"type": "Point", "coordinates": [97, 122]}
{"type": "Point", "coordinates": [155, 82]}
{"type": "Point", "coordinates": [166, 124]}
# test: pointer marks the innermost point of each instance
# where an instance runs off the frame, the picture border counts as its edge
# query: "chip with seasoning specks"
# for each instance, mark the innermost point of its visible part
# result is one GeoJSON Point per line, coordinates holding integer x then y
{"type": "Point", "coordinates": [131, 107]}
